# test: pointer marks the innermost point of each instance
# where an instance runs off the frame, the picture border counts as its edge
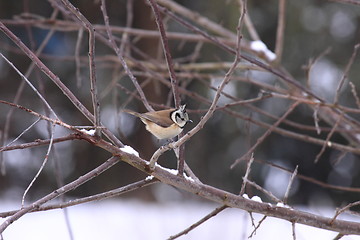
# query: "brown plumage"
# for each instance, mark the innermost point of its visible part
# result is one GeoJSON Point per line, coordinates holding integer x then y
{"type": "Point", "coordinates": [161, 118]}
{"type": "Point", "coordinates": [163, 124]}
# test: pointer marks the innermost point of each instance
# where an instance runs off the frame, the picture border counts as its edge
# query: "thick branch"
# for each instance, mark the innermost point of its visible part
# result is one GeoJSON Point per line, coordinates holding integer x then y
{"type": "Point", "coordinates": [230, 199]}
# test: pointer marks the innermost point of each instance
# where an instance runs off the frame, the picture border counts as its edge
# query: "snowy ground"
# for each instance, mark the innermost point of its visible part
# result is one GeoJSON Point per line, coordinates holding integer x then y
{"type": "Point", "coordinates": [119, 219]}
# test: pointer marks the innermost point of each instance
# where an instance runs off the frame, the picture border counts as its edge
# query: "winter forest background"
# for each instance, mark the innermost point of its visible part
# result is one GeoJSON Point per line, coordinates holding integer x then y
{"type": "Point", "coordinates": [271, 86]}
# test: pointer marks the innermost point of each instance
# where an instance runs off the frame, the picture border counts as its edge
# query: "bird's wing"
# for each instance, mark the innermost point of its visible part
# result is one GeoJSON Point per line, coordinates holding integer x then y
{"type": "Point", "coordinates": [161, 118]}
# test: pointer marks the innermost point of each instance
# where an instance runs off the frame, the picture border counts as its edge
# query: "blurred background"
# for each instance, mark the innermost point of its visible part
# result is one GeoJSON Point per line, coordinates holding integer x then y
{"type": "Point", "coordinates": [320, 34]}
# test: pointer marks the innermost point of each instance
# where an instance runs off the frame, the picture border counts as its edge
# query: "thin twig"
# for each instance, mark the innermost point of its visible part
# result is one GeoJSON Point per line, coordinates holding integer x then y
{"type": "Point", "coordinates": [293, 230]}
{"type": "Point", "coordinates": [250, 27]}
{"type": "Point", "coordinates": [266, 134]}
{"type": "Point", "coordinates": [338, 236]}
{"type": "Point", "coordinates": [312, 180]}
{"type": "Point", "coordinates": [280, 31]}
{"type": "Point", "coordinates": [41, 167]}
{"type": "Point", "coordinates": [55, 121]}
{"type": "Point", "coordinates": [174, 82]}
{"type": "Point", "coordinates": [340, 211]}
{"type": "Point", "coordinates": [121, 59]}
{"type": "Point", "coordinates": [129, 21]}
{"type": "Point", "coordinates": [198, 223]}
{"type": "Point", "coordinates": [30, 84]}
{"type": "Point", "coordinates": [315, 103]}
{"type": "Point", "coordinates": [328, 114]}
{"type": "Point", "coordinates": [58, 192]}
{"type": "Point", "coordinates": [293, 175]}
{"type": "Point", "coordinates": [97, 197]}
{"type": "Point", "coordinates": [354, 2]}
{"type": "Point", "coordinates": [22, 133]}
{"type": "Point", "coordinates": [268, 193]}
{"type": "Point", "coordinates": [57, 81]}
{"type": "Point", "coordinates": [77, 57]}
{"type": "Point", "coordinates": [327, 140]}
{"type": "Point", "coordinates": [79, 129]}
{"type": "Point", "coordinates": [38, 143]}
{"type": "Point", "coordinates": [93, 85]}
{"type": "Point", "coordinates": [264, 125]}
{"type": "Point", "coordinates": [166, 50]}
{"type": "Point", "coordinates": [211, 109]}
{"type": "Point", "coordinates": [316, 118]}
{"type": "Point", "coordinates": [346, 73]}
{"type": "Point", "coordinates": [59, 177]}
{"type": "Point", "coordinates": [245, 178]}
{"type": "Point", "coordinates": [64, 25]}
{"type": "Point", "coordinates": [285, 77]}
{"type": "Point", "coordinates": [312, 62]}
{"type": "Point", "coordinates": [21, 88]}
{"type": "Point", "coordinates": [353, 91]}
{"type": "Point", "coordinates": [257, 226]}
{"type": "Point", "coordinates": [199, 19]}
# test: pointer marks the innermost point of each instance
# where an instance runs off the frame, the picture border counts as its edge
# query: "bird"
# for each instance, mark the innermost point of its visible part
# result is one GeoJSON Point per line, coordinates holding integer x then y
{"type": "Point", "coordinates": [164, 124]}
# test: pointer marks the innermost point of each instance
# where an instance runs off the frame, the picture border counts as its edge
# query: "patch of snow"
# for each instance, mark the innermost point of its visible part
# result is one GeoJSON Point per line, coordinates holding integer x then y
{"type": "Point", "coordinates": [90, 132]}
{"type": "Point", "coordinates": [149, 178]}
{"type": "Point", "coordinates": [245, 196]}
{"type": "Point", "coordinates": [129, 150]}
{"type": "Point", "coordinates": [260, 47]}
{"type": "Point", "coordinates": [256, 199]}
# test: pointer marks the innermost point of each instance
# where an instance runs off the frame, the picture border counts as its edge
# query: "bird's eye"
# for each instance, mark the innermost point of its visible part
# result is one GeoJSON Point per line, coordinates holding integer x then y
{"type": "Point", "coordinates": [179, 116]}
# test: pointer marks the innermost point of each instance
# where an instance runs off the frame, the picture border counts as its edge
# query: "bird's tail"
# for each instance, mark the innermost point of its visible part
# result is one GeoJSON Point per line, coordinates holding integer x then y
{"type": "Point", "coordinates": [131, 112]}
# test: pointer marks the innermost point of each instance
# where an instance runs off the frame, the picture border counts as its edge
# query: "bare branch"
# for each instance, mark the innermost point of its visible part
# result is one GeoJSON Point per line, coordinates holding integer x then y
{"type": "Point", "coordinates": [93, 86]}
{"type": "Point", "coordinates": [198, 223]}
{"type": "Point", "coordinates": [265, 135]}
{"type": "Point", "coordinates": [212, 108]}
{"type": "Point", "coordinates": [268, 193]}
{"type": "Point", "coordinates": [202, 21]}
{"type": "Point", "coordinates": [353, 91]}
{"type": "Point", "coordinates": [20, 90]}
{"type": "Point", "coordinates": [290, 184]}
{"type": "Point", "coordinates": [97, 197]}
{"type": "Point", "coordinates": [346, 73]}
{"type": "Point", "coordinates": [354, 2]}
{"type": "Point", "coordinates": [316, 119]}
{"type": "Point", "coordinates": [122, 60]}
{"type": "Point", "coordinates": [193, 80]}
{"type": "Point", "coordinates": [257, 226]}
{"type": "Point", "coordinates": [327, 141]}
{"type": "Point", "coordinates": [166, 50]}
{"type": "Point", "coordinates": [293, 230]}
{"type": "Point", "coordinates": [312, 180]}
{"type": "Point", "coordinates": [30, 84]}
{"type": "Point", "coordinates": [245, 178]}
{"type": "Point", "coordinates": [339, 236]}
{"type": "Point", "coordinates": [54, 121]}
{"type": "Point", "coordinates": [22, 133]}
{"type": "Point", "coordinates": [38, 143]}
{"type": "Point", "coordinates": [77, 57]}
{"type": "Point", "coordinates": [340, 211]}
{"type": "Point", "coordinates": [56, 80]}
{"type": "Point", "coordinates": [41, 167]}
{"type": "Point", "coordinates": [70, 186]}
{"type": "Point", "coordinates": [280, 31]}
